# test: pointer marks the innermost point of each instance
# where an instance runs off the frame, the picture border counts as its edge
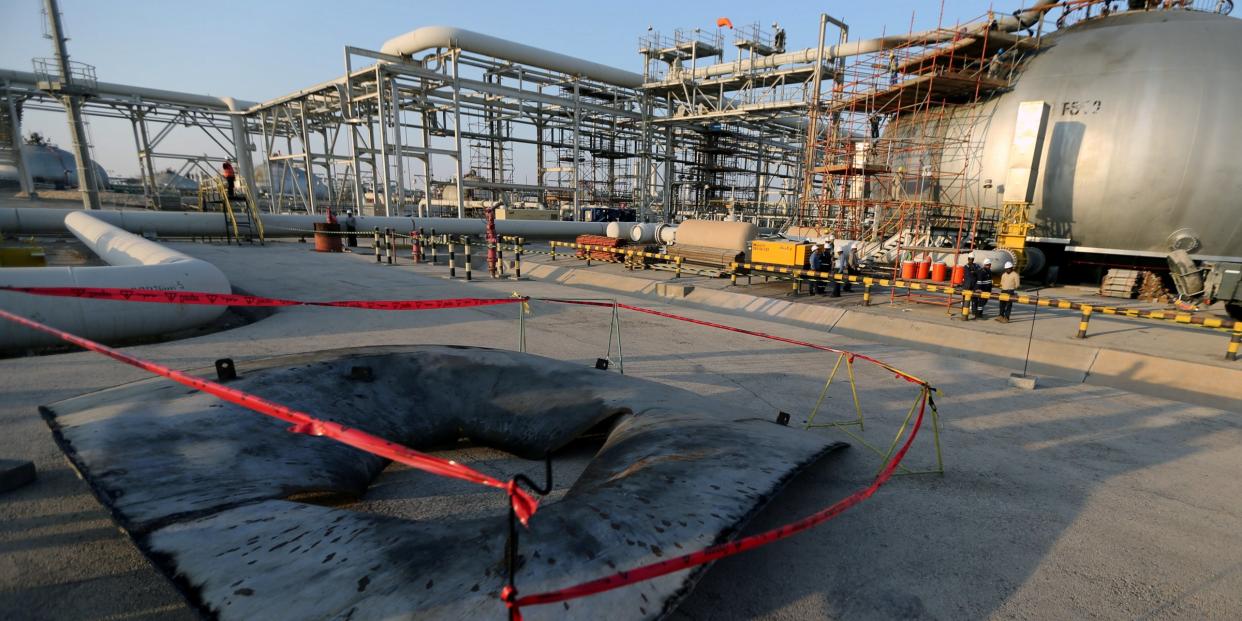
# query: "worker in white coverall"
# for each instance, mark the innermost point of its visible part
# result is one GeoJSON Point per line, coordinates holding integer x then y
{"type": "Point", "coordinates": [1009, 283]}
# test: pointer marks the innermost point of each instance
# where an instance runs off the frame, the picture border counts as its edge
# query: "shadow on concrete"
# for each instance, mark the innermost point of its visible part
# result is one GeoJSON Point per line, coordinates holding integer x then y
{"type": "Point", "coordinates": [959, 546]}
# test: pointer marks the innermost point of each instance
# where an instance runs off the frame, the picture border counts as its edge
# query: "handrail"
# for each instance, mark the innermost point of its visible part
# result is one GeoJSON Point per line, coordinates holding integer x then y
{"type": "Point", "coordinates": [206, 187]}
{"type": "Point", "coordinates": [252, 211]}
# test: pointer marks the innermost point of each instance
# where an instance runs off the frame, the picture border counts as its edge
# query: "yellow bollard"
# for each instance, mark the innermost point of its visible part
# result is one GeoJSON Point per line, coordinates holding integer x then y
{"type": "Point", "coordinates": [1082, 323]}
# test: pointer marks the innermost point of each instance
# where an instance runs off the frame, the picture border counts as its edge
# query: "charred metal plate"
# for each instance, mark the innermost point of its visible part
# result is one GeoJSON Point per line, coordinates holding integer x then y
{"type": "Point", "coordinates": [202, 485]}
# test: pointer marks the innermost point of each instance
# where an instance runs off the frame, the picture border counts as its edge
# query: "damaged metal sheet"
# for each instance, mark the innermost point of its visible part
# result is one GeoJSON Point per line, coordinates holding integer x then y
{"type": "Point", "coordinates": [202, 485]}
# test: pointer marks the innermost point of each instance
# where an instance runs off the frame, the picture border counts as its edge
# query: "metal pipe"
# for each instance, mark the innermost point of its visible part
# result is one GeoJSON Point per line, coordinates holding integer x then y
{"type": "Point", "coordinates": [15, 128]}
{"type": "Point", "coordinates": [306, 159]}
{"type": "Point", "coordinates": [349, 119]}
{"type": "Point", "coordinates": [142, 93]}
{"type": "Point", "coordinates": [461, 206]}
{"type": "Point", "coordinates": [49, 221]}
{"type": "Point", "coordinates": [134, 262]}
{"type": "Point", "coordinates": [813, 117]}
{"type": "Point", "coordinates": [448, 37]}
{"type": "Point", "coordinates": [577, 134]}
{"type": "Point", "coordinates": [383, 127]}
{"type": "Point", "coordinates": [426, 169]}
{"type": "Point", "coordinates": [395, 110]}
{"type": "Point", "coordinates": [148, 164]}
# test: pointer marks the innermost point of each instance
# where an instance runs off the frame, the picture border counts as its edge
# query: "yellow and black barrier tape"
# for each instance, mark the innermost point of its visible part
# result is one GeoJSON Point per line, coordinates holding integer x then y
{"type": "Point", "coordinates": [620, 251]}
{"type": "Point", "coordinates": [1182, 318]}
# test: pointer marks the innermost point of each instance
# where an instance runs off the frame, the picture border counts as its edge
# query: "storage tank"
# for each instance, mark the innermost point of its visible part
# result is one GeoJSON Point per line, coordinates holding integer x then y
{"type": "Point", "coordinates": [51, 165]}
{"type": "Point", "coordinates": [1143, 146]}
{"type": "Point", "coordinates": [290, 180]}
{"type": "Point", "coordinates": [170, 180]}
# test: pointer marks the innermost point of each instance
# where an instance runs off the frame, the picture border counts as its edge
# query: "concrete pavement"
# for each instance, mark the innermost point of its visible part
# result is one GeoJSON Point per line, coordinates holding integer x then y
{"type": "Point", "coordinates": [1070, 501]}
{"type": "Point", "coordinates": [1153, 357]}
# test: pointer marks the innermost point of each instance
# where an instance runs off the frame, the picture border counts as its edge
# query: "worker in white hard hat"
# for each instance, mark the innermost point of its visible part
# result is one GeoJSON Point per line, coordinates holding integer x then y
{"type": "Point", "coordinates": [351, 226]}
{"type": "Point", "coordinates": [983, 284]}
{"type": "Point", "coordinates": [816, 262]}
{"type": "Point", "coordinates": [1009, 283]}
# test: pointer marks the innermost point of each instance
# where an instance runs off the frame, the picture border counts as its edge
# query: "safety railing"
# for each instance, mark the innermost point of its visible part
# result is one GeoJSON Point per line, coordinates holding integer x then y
{"type": "Point", "coordinates": [213, 190]}
{"type": "Point", "coordinates": [81, 75]}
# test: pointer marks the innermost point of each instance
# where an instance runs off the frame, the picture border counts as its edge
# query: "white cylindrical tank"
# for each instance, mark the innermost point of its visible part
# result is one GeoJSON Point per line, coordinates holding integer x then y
{"type": "Point", "coordinates": [616, 230]}
{"type": "Point", "coordinates": [1141, 149]}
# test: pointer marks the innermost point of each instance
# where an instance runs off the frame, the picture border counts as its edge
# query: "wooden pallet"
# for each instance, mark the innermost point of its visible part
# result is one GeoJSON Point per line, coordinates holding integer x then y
{"type": "Point", "coordinates": [1120, 283]}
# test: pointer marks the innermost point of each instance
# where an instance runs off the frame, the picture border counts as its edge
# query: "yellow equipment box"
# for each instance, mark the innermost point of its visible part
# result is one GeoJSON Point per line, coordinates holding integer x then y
{"type": "Point", "coordinates": [22, 256]}
{"type": "Point", "coordinates": [779, 252]}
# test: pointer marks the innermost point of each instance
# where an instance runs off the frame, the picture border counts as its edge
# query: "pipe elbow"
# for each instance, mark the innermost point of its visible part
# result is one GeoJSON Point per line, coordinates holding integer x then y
{"type": "Point", "coordinates": [419, 39]}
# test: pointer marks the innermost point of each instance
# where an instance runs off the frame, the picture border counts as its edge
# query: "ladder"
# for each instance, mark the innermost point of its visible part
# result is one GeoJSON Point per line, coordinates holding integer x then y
{"type": "Point", "coordinates": [244, 220]}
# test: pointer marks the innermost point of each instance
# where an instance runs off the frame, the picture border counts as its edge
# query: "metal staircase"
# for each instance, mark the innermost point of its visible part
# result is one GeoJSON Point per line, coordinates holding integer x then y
{"type": "Point", "coordinates": [243, 220]}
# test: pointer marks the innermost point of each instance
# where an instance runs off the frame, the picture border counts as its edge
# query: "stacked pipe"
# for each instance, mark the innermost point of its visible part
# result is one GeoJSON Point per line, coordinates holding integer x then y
{"type": "Point", "coordinates": [599, 255]}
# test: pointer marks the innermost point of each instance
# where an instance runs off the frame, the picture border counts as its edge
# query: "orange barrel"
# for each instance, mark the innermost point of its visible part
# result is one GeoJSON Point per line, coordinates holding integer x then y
{"type": "Point", "coordinates": [325, 241]}
{"type": "Point", "coordinates": [925, 269]}
{"type": "Point", "coordinates": [939, 271]}
{"type": "Point", "coordinates": [907, 270]}
{"type": "Point", "coordinates": [959, 274]}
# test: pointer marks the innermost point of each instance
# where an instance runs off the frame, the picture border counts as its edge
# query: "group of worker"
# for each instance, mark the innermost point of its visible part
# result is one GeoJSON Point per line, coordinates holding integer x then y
{"type": "Point", "coordinates": [978, 279]}
{"type": "Point", "coordinates": [843, 263]}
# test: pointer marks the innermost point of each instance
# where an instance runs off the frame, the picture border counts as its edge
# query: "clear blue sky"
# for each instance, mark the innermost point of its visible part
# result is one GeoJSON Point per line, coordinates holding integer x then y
{"type": "Point", "coordinates": [256, 50]}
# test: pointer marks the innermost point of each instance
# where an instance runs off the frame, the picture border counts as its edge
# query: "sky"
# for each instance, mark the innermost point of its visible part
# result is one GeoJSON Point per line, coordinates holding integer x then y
{"type": "Point", "coordinates": [257, 50]}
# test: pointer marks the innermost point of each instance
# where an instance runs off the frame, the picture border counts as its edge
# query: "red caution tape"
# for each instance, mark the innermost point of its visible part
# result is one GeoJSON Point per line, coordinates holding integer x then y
{"type": "Point", "coordinates": [719, 551]}
{"type": "Point", "coordinates": [524, 505]}
{"type": "Point", "coordinates": [228, 299]}
{"type": "Point", "coordinates": [899, 373]}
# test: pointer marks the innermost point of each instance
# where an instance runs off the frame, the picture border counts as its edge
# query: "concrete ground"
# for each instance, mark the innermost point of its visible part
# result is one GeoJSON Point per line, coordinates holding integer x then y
{"type": "Point", "coordinates": [1070, 501]}
{"type": "Point", "coordinates": [1158, 358]}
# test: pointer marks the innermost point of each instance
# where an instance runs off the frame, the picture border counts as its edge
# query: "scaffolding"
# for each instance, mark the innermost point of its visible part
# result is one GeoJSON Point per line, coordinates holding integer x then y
{"type": "Point", "coordinates": [733, 130]}
{"type": "Point", "coordinates": [893, 150]}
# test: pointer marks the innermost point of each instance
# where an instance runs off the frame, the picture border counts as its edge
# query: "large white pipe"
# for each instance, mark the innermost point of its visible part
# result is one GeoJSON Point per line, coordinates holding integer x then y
{"type": "Point", "coordinates": [235, 107]}
{"type": "Point", "coordinates": [432, 37]}
{"type": "Point", "coordinates": [134, 263]}
{"type": "Point", "coordinates": [153, 95]}
{"type": "Point", "coordinates": [644, 233]}
{"type": "Point", "coordinates": [39, 221]}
